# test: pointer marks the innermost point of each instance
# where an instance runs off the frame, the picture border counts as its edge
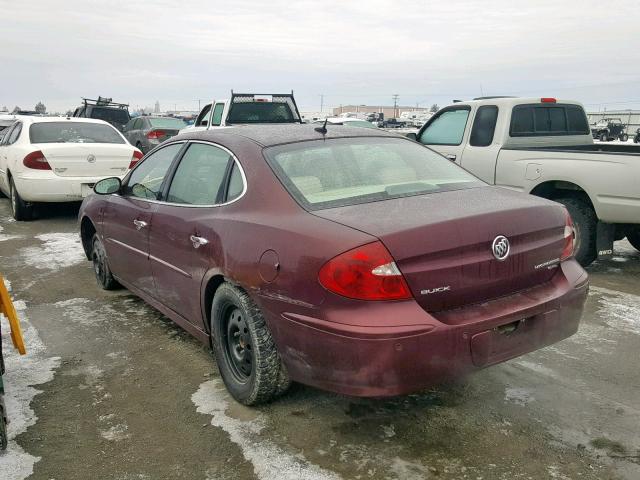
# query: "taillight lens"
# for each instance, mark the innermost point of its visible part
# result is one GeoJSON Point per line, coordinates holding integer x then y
{"type": "Point", "coordinates": [365, 273]}
{"type": "Point", "coordinates": [137, 155]}
{"type": "Point", "coordinates": [37, 161]}
{"type": "Point", "coordinates": [156, 134]}
{"type": "Point", "coordinates": [569, 235]}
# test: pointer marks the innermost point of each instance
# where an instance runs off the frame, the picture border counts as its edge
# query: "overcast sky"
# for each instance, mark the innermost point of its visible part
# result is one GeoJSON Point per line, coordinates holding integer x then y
{"type": "Point", "coordinates": [351, 51]}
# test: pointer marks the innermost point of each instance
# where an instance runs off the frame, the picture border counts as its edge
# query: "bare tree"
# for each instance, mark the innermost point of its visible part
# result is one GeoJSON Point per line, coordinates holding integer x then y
{"type": "Point", "coordinates": [40, 108]}
{"type": "Point", "coordinates": [16, 109]}
{"type": "Point", "coordinates": [434, 108]}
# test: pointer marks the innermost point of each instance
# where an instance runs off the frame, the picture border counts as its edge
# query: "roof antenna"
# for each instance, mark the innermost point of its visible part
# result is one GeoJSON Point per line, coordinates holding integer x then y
{"type": "Point", "coordinates": [323, 128]}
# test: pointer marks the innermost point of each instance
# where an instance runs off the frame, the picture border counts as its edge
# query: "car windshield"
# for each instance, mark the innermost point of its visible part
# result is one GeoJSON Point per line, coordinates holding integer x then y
{"type": "Point", "coordinates": [325, 174]}
{"type": "Point", "coordinates": [111, 115]}
{"type": "Point", "coordinates": [260, 112]}
{"type": "Point", "coordinates": [73, 132]}
{"type": "Point", "coordinates": [167, 122]}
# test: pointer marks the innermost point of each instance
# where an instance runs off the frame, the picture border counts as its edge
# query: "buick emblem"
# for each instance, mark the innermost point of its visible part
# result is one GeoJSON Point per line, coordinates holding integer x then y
{"type": "Point", "coordinates": [91, 159]}
{"type": "Point", "coordinates": [500, 247]}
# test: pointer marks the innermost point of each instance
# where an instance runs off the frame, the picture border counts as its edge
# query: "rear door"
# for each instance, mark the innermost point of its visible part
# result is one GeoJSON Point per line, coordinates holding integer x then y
{"type": "Point", "coordinates": [446, 132]}
{"type": "Point", "coordinates": [481, 151]}
{"type": "Point", "coordinates": [127, 219]}
{"type": "Point", "coordinates": [184, 242]}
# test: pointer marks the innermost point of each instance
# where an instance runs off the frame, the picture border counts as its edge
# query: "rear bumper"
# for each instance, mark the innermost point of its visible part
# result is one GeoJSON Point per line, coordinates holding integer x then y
{"type": "Point", "coordinates": [47, 187]}
{"type": "Point", "coordinates": [386, 361]}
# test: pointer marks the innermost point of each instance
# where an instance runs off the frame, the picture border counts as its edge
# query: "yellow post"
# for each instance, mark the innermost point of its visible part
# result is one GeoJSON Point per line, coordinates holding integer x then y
{"type": "Point", "coordinates": [9, 311]}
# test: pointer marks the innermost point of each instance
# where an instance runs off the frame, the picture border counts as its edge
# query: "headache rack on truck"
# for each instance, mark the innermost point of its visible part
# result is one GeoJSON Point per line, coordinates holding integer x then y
{"type": "Point", "coordinates": [263, 108]}
{"type": "Point", "coordinates": [104, 102]}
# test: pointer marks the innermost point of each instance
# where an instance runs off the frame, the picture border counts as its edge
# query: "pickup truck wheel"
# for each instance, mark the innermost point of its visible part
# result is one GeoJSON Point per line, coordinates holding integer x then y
{"type": "Point", "coordinates": [633, 235]}
{"type": "Point", "coordinates": [624, 137]}
{"type": "Point", "coordinates": [245, 351]}
{"type": "Point", "coordinates": [19, 208]}
{"type": "Point", "coordinates": [603, 137]}
{"type": "Point", "coordinates": [585, 225]}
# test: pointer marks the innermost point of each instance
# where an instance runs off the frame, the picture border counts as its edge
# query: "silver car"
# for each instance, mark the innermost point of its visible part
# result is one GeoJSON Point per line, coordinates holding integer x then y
{"type": "Point", "coordinates": [147, 132]}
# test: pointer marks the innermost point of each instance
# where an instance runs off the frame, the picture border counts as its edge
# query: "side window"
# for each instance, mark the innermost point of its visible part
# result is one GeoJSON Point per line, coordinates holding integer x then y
{"type": "Point", "coordinates": [137, 124]}
{"type": "Point", "coordinates": [201, 121]}
{"type": "Point", "coordinates": [199, 177]}
{"type": "Point", "coordinates": [484, 126]}
{"type": "Point", "coordinates": [6, 135]}
{"type": "Point", "coordinates": [236, 184]}
{"type": "Point", "coordinates": [15, 133]}
{"type": "Point", "coordinates": [146, 179]}
{"type": "Point", "coordinates": [447, 128]}
{"type": "Point", "coordinates": [128, 126]}
{"type": "Point", "coordinates": [216, 119]}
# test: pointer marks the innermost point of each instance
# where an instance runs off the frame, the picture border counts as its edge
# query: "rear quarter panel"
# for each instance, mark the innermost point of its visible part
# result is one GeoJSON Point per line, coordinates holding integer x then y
{"type": "Point", "coordinates": [610, 180]}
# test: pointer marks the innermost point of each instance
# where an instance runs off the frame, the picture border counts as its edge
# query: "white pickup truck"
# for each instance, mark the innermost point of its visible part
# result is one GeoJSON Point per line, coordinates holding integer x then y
{"type": "Point", "coordinates": [245, 108]}
{"type": "Point", "coordinates": [544, 146]}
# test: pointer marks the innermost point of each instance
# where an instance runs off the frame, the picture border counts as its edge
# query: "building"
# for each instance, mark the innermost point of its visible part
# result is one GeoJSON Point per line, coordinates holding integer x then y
{"type": "Point", "coordinates": [388, 111]}
{"type": "Point", "coordinates": [631, 118]}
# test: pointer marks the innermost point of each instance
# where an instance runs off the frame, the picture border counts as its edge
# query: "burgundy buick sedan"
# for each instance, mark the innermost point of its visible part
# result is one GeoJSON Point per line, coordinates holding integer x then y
{"type": "Point", "coordinates": [349, 259]}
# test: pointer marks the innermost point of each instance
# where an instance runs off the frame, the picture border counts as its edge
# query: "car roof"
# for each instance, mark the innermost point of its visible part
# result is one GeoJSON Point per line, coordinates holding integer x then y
{"type": "Point", "coordinates": [29, 119]}
{"type": "Point", "coordinates": [511, 101]}
{"type": "Point", "coordinates": [269, 135]}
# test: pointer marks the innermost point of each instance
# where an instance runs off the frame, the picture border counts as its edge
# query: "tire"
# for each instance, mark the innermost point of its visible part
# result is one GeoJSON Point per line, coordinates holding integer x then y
{"type": "Point", "coordinates": [624, 137]}
{"type": "Point", "coordinates": [101, 265]}
{"type": "Point", "coordinates": [603, 137]}
{"type": "Point", "coordinates": [633, 235]}
{"type": "Point", "coordinates": [4, 438]}
{"type": "Point", "coordinates": [20, 210]}
{"type": "Point", "coordinates": [245, 351]}
{"type": "Point", "coordinates": [585, 225]}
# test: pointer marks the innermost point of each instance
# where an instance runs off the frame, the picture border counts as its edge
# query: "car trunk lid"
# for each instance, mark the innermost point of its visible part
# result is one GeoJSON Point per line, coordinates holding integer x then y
{"type": "Point", "coordinates": [87, 160]}
{"type": "Point", "coordinates": [442, 242]}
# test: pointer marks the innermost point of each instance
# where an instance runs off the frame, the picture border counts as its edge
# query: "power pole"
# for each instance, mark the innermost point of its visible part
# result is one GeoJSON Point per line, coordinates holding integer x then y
{"type": "Point", "coordinates": [395, 105]}
{"type": "Point", "coordinates": [198, 100]}
{"type": "Point", "coordinates": [321, 102]}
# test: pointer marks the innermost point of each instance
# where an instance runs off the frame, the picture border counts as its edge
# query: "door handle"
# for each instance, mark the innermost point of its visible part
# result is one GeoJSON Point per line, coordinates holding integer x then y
{"type": "Point", "coordinates": [198, 241]}
{"type": "Point", "coordinates": [140, 224]}
{"type": "Point", "coordinates": [451, 157]}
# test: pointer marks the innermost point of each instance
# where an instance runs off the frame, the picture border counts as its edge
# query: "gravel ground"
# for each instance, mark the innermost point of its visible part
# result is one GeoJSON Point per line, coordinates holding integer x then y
{"type": "Point", "coordinates": [111, 389]}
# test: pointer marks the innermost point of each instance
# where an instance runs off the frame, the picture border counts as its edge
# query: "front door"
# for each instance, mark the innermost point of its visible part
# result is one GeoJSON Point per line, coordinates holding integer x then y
{"type": "Point", "coordinates": [128, 217]}
{"type": "Point", "coordinates": [481, 153]}
{"type": "Point", "coordinates": [184, 243]}
{"type": "Point", "coordinates": [445, 132]}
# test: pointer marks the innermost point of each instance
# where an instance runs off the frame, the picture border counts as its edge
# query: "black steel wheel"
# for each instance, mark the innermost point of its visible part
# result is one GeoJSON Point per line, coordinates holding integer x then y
{"type": "Point", "coordinates": [245, 351]}
{"type": "Point", "coordinates": [101, 265]}
{"type": "Point", "coordinates": [585, 225]}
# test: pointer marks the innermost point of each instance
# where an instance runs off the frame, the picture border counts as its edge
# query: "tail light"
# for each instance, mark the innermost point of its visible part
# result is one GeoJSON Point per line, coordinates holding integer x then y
{"type": "Point", "coordinates": [37, 161]}
{"type": "Point", "coordinates": [548, 100]}
{"type": "Point", "coordinates": [137, 155]}
{"type": "Point", "coordinates": [569, 234]}
{"type": "Point", "coordinates": [365, 273]}
{"type": "Point", "coordinates": [156, 134]}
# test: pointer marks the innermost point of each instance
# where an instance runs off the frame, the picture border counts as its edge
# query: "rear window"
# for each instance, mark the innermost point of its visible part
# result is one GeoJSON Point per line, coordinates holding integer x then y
{"type": "Point", "coordinates": [73, 132]}
{"type": "Point", "coordinates": [548, 120]}
{"type": "Point", "coordinates": [324, 174]}
{"type": "Point", "coordinates": [111, 115]}
{"type": "Point", "coordinates": [260, 112]}
{"type": "Point", "coordinates": [174, 123]}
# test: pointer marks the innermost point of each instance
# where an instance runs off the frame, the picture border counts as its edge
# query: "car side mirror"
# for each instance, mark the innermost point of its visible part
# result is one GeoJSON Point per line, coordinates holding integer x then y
{"type": "Point", "coordinates": [107, 186]}
{"type": "Point", "coordinates": [411, 136]}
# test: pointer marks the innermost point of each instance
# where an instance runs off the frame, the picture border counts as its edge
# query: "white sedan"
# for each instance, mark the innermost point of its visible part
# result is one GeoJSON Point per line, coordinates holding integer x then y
{"type": "Point", "coordinates": [58, 159]}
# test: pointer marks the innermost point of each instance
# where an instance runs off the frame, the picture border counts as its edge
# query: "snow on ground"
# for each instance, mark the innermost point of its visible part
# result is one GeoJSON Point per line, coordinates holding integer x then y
{"type": "Point", "coordinates": [22, 374]}
{"type": "Point", "coordinates": [58, 250]}
{"type": "Point", "coordinates": [620, 310]}
{"type": "Point", "coordinates": [269, 460]}
{"type": "Point", "coordinates": [4, 237]}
